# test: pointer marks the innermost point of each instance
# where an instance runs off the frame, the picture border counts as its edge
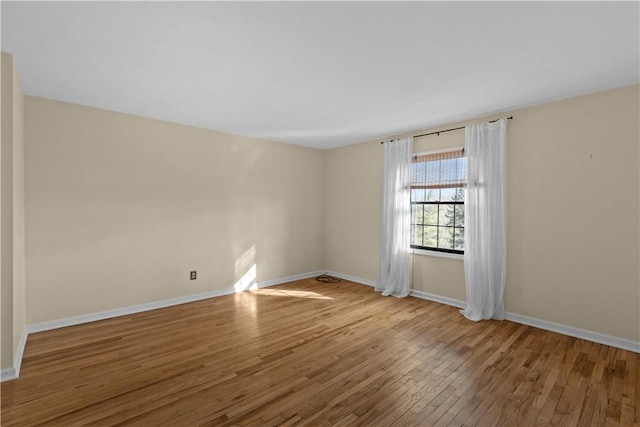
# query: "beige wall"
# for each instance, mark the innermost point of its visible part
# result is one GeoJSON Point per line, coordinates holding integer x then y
{"type": "Point", "coordinates": [19, 250]}
{"type": "Point", "coordinates": [573, 213]}
{"type": "Point", "coordinates": [120, 208]}
{"type": "Point", "coordinates": [12, 237]}
{"type": "Point", "coordinates": [6, 211]}
{"type": "Point", "coordinates": [353, 194]}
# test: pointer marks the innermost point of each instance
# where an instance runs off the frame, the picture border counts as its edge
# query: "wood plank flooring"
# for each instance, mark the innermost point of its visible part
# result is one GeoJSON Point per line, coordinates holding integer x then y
{"type": "Point", "coordinates": [309, 353]}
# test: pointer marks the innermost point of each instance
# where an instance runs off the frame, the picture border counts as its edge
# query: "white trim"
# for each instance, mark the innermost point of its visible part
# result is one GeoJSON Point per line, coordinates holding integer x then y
{"type": "Point", "coordinates": [459, 257]}
{"type": "Point", "coordinates": [438, 298]}
{"type": "Point", "coordinates": [427, 252]}
{"type": "Point", "coordinates": [571, 331]}
{"type": "Point", "coordinates": [354, 279]}
{"type": "Point", "coordinates": [17, 359]}
{"type": "Point", "coordinates": [13, 372]}
{"type": "Point", "coordinates": [274, 282]}
{"type": "Point", "coordinates": [8, 374]}
{"type": "Point", "coordinates": [108, 314]}
{"type": "Point", "coordinates": [584, 334]}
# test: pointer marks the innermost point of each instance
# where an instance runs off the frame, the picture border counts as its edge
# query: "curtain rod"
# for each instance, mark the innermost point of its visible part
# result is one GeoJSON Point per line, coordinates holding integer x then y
{"type": "Point", "coordinates": [446, 130]}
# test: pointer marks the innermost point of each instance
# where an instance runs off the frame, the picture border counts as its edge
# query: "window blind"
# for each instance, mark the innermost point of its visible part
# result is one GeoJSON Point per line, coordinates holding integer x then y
{"type": "Point", "coordinates": [439, 170]}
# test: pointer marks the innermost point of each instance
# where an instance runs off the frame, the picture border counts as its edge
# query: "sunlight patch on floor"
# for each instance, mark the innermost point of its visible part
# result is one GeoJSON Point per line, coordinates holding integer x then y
{"type": "Point", "coordinates": [295, 294]}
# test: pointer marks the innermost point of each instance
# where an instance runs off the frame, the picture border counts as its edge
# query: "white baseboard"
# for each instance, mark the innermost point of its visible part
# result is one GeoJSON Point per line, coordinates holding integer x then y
{"type": "Point", "coordinates": [571, 331]}
{"type": "Point", "coordinates": [355, 279]}
{"type": "Point", "coordinates": [108, 314]}
{"type": "Point", "coordinates": [17, 359]}
{"type": "Point", "coordinates": [437, 298]}
{"type": "Point", "coordinates": [14, 371]}
{"type": "Point", "coordinates": [267, 283]}
{"type": "Point", "coordinates": [584, 334]}
{"type": "Point", "coordinates": [8, 374]}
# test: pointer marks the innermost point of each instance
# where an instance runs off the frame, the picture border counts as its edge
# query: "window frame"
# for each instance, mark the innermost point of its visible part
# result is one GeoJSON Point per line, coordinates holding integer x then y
{"type": "Point", "coordinates": [430, 250]}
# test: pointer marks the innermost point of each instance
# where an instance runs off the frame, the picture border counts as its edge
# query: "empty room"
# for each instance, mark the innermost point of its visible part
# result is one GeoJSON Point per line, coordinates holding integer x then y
{"type": "Point", "coordinates": [320, 213]}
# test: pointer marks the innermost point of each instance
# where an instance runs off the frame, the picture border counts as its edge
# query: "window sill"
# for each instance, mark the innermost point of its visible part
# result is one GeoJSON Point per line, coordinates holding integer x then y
{"type": "Point", "coordinates": [437, 254]}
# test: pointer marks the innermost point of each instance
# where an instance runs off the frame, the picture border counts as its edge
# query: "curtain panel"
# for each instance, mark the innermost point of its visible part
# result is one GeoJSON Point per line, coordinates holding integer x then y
{"type": "Point", "coordinates": [396, 219]}
{"type": "Point", "coordinates": [485, 254]}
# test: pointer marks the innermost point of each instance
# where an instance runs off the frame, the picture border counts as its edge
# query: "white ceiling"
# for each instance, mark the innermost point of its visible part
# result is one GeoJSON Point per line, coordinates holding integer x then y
{"type": "Point", "coordinates": [320, 74]}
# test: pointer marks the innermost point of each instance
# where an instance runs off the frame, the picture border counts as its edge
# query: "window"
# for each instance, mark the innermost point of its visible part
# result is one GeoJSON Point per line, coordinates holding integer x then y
{"type": "Point", "coordinates": [437, 201]}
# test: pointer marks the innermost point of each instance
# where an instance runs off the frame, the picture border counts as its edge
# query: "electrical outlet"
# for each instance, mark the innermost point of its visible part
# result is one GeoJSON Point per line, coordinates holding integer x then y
{"type": "Point", "coordinates": [192, 275]}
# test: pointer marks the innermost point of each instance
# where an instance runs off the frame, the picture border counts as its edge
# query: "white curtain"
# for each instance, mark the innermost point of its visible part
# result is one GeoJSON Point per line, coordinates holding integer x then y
{"type": "Point", "coordinates": [485, 233]}
{"type": "Point", "coordinates": [396, 219]}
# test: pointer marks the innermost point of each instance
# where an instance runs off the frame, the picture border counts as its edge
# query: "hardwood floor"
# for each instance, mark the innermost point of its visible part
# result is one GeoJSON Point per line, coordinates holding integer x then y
{"type": "Point", "coordinates": [311, 353]}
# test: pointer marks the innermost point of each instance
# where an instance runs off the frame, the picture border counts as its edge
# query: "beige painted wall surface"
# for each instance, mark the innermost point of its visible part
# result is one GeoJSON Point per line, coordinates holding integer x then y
{"type": "Point", "coordinates": [353, 192]}
{"type": "Point", "coordinates": [573, 213]}
{"type": "Point", "coordinates": [573, 206]}
{"type": "Point", "coordinates": [6, 211]}
{"type": "Point", "coordinates": [19, 253]}
{"type": "Point", "coordinates": [12, 236]}
{"type": "Point", "coordinates": [120, 208]}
